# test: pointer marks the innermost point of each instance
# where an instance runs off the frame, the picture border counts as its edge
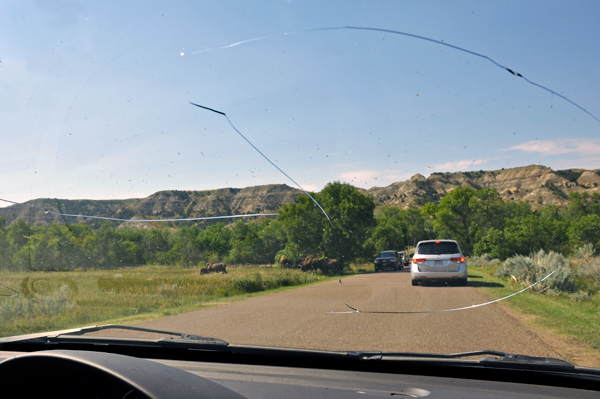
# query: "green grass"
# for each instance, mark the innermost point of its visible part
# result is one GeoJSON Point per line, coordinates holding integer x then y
{"type": "Point", "coordinates": [558, 313]}
{"type": "Point", "coordinates": [58, 300]}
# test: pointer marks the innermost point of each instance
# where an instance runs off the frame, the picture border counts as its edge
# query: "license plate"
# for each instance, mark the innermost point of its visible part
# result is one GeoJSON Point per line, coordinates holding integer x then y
{"type": "Point", "coordinates": [438, 263]}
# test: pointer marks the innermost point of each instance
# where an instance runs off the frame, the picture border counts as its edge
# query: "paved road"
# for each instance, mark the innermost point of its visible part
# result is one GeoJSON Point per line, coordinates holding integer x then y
{"type": "Point", "coordinates": [298, 318]}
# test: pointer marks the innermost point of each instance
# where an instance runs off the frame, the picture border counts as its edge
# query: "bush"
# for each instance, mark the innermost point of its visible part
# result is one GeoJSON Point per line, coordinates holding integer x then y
{"type": "Point", "coordinates": [480, 261]}
{"type": "Point", "coordinates": [257, 282]}
{"type": "Point", "coordinates": [485, 261]}
{"type": "Point", "coordinates": [246, 285]}
{"type": "Point", "coordinates": [584, 252]}
{"type": "Point", "coordinates": [580, 296]}
{"type": "Point", "coordinates": [588, 272]}
{"type": "Point", "coordinates": [169, 290]}
{"type": "Point", "coordinates": [36, 306]}
{"type": "Point", "coordinates": [527, 270]}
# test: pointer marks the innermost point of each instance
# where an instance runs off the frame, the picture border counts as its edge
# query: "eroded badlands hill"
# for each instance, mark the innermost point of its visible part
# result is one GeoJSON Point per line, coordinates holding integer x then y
{"type": "Point", "coordinates": [535, 184]}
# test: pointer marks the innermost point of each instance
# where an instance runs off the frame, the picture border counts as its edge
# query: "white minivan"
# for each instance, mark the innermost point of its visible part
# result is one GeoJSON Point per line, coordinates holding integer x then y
{"type": "Point", "coordinates": [438, 260]}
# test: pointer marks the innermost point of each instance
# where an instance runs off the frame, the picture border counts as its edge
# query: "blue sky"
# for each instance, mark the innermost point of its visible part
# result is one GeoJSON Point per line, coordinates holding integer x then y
{"type": "Point", "coordinates": [94, 99]}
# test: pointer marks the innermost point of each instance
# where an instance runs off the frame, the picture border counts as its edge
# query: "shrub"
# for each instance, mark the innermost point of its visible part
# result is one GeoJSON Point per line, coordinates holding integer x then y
{"type": "Point", "coordinates": [530, 269]}
{"type": "Point", "coordinates": [245, 285]}
{"type": "Point", "coordinates": [485, 261]}
{"type": "Point", "coordinates": [580, 296]}
{"type": "Point", "coordinates": [258, 282]}
{"type": "Point", "coordinates": [586, 251]}
{"type": "Point", "coordinates": [36, 306]}
{"type": "Point", "coordinates": [588, 273]}
{"type": "Point", "coordinates": [482, 260]}
{"type": "Point", "coordinates": [169, 290]}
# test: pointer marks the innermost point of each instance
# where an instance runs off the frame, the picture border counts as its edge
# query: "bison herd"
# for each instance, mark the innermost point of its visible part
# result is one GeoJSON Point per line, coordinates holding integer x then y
{"type": "Point", "coordinates": [327, 266]}
{"type": "Point", "coordinates": [309, 264]}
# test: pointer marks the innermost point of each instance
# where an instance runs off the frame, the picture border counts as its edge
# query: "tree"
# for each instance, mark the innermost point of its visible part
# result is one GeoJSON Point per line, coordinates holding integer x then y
{"type": "Point", "coordinates": [391, 231]}
{"type": "Point", "coordinates": [273, 238]}
{"type": "Point", "coordinates": [5, 261]}
{"type": "Point", "coordinates": [247, 246]}
{"type": "Point", "coordinates": [418, 227]}
{"type": "Point", "coordinates": [215, 241]}
{"type": "Point", "coordinates": [526, 234]}
{"type": "Point", "coordinates": [352, 218]}
{"type": "Point", "coordinates": [585, 231]}
{"type": "Point", "coordinates": [303, 224]}
{"type": "Point", "coordinates": [186, 248]}
{"type": "Point", "coordinates": [18, 234]}
{"type": "Point", "coordinates": [343, 235]}
{"type": "Point", "coordinates": [155, 244]}
{"type": "Point", "coordinates": [466, 215]}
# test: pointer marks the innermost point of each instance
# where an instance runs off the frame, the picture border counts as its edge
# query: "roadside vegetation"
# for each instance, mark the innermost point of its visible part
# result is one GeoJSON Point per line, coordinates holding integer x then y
{"type": "Point", "coordinates": [58, 300]}
{"type": "Point", "coordinates": [568, 303]}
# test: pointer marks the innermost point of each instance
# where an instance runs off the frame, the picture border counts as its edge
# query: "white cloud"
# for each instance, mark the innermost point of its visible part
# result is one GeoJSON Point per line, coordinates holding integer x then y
{"type": "Point", "coordinates": [458, 165]}
{"type": "Point", "coordinates": [558, 147]}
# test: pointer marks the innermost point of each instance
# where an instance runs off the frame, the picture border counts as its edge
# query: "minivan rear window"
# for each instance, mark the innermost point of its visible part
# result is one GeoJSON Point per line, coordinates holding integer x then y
{"type": "Point", "coordinates": [438, 248]}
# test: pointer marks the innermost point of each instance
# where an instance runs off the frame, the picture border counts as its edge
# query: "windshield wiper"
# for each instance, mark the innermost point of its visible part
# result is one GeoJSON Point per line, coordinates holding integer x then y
{"type": "Point", "coordinates": [501, 359]}
{"type": "Point", "coordinates": [76, 335]}
{"type": "Point", "coordinates": [511, 360]}
{"type": "Point", "coordinates": [501, 356]}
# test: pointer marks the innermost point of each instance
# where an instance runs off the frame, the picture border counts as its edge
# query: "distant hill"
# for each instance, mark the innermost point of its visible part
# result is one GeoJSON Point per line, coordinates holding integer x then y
{"type": "Point", "coordinates": [535, 184]}
{"type": "Point", "coordinates": [163, 204]}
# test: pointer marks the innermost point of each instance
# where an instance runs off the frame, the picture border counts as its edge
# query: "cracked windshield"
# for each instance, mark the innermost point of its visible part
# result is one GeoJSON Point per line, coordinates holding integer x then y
{"type": "Point", "coordinates": [383, 176]}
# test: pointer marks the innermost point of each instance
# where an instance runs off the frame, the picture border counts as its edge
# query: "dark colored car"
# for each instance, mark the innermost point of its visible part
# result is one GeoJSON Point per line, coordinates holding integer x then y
{"type": "Point", "coordinates": [389, 260]}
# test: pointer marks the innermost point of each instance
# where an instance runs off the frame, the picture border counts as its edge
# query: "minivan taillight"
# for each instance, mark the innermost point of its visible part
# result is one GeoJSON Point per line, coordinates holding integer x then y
{"type": "Point", "coordinates": [458, 260]}
{"type": "Point", "coordinates": [419, 260]}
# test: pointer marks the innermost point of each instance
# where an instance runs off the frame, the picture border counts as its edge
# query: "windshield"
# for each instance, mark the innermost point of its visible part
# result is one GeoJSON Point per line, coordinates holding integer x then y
{"type": "Point", "coordinates": [437, 248]}
{"type": "Point", "coordinates": [233, 171]}
{"type": "Point", "coordinates": [387, 254]}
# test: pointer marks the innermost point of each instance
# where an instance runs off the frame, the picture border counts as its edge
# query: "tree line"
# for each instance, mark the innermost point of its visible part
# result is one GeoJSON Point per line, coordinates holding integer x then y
{"type": "Point", "coordinates": [480, 220]}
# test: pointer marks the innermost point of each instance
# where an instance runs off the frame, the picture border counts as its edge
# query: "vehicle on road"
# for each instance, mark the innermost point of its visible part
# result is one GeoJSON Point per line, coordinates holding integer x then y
{"type": "Point", "coordinates": [389, 260]}
{"type": "Point", "coordinates": [438, 260]}
{"type": "Point", "coordinates": [404, 257]}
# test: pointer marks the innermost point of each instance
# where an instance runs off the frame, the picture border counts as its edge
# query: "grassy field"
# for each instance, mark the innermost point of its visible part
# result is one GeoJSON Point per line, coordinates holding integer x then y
{"type": "Point", "coordinates": [58, 300]}
{"type": "Point", "coordinates": [560, 314]}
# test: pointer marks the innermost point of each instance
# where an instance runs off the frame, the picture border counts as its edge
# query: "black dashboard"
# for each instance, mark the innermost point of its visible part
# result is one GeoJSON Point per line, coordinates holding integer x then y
{"type": "Point", "coordinates": [91, 374]}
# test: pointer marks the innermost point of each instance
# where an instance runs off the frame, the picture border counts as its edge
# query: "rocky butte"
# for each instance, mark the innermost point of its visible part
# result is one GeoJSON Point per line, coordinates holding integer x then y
{"type": "Point", "coordinates": [538, 185]}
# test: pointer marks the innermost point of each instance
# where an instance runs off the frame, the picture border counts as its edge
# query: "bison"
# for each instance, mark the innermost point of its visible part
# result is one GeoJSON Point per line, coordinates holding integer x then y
{"type": "Point", "coordinates": [327, 266]}
{"type": "Point", "coordinates": [286, 263]}
{"type": "Point", "coordinates": [309, 263]}
{"type": "Point", "coordinates": [214, 268]}
{"type": "Point", "coordinates": [331, 266]}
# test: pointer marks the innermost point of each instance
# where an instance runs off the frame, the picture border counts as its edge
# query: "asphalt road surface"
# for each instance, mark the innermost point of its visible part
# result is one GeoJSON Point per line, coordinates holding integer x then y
{"type": "Point", "coordinates": [298, 318]}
